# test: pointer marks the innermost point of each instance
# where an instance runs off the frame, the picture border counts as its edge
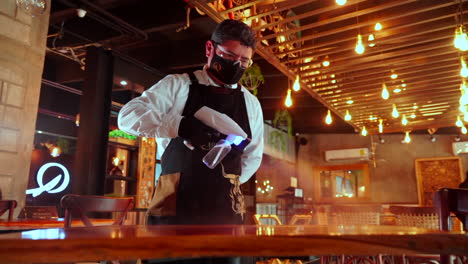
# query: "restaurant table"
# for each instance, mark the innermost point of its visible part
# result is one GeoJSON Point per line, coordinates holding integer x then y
{"type": "Point", "coordinates": [29, 224]}
{"type": "Point", "coordinates": [150, 242]}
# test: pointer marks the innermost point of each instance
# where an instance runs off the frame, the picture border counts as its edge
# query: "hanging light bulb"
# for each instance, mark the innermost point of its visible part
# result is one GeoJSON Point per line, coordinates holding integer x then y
{"type": "Point", "coordinates": [407, 137]}
{"type": "Point", "coordinates": [371, 37]}
{"type": "Point", "coordinates": [328, 118]}
{"type": "Point", "coordinates": [462, 108]}
{"type": "Point", "coordinates": [359, 47]}
{"type": "Point", "coordinates": [326, 62]}
{"type": "Point", "coordinates": [457, 38]}
{"type": "Point", "coordinates": [463, 130]}
{"type": "Point", "coordinates": [460, 40]}
{"type": "Point", "coordinates": [288, 102]}
{"type": "Point", "coordinates": [347, 116]}
{"type": "Point", "coordinates": [364, 131]}
{"type": "Point", "coordinates": [459, 123]}
{"type": "Point", "coordinates": [55, 151]}
{"type": "Point", "coordinates": [464, 69]}
{"type": "Point", "coordinates": [464, 95]}
{"type": "Point", "coordinates": [380, 126]}
{"type": "Point", "coordinates": [341, 2]}
{"type": "Point", "coordinates": [393, 75]}
{"type": "Point", "coordinates": [404, 121]}
{"type": "Point", "coordinates": [465, 117]}
{"type": "Point", "coordinates": [296, 85]}
{"type": "Point", "coordinates": [395, 113]}
{"type": "Point", "coordinates": [378, 26]}
{"type": "Point", "coordinates": [385, 94]}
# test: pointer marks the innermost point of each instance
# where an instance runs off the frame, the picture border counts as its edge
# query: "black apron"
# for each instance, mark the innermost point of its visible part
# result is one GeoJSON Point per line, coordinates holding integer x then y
{"type": "Point", "coordinates": [203, 195]}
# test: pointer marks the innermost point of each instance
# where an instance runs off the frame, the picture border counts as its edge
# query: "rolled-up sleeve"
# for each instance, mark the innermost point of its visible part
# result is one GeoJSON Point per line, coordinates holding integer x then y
{"type": "Point", "coordinates": [157, 112]}
{"type": "Point", "coordinates": [252, 156]}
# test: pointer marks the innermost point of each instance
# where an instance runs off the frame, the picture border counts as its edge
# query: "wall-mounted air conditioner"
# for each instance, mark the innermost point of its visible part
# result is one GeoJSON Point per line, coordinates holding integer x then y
{"type": "Point", "coordinates": [460, 147]}
{"type": "Point", "coordinates": [347, 154]}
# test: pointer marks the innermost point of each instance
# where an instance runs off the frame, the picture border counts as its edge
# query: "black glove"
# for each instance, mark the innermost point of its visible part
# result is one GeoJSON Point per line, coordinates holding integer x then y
{"type": "Point", "coordinates": [232, 162]}
{"type": "Point", "coordinates": [199, 134]}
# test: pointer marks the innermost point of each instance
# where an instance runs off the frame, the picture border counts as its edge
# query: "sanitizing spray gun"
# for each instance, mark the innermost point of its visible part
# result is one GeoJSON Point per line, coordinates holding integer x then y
{"type": "Point", "coordinates": [225, 125]}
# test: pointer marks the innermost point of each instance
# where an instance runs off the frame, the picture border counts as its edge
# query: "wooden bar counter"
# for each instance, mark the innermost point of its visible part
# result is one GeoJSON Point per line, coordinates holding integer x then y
{"type": "Point", "coordinates": [145, 242]}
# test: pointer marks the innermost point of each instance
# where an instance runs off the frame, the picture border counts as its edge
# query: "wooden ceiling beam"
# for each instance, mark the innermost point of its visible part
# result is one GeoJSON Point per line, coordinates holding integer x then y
{"type": "Point", "coordinates": [356, 26]}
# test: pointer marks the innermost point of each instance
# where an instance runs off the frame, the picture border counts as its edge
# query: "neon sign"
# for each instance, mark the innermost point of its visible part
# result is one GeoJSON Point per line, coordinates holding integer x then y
{"type": "Point", "coordinates": [49, 187]}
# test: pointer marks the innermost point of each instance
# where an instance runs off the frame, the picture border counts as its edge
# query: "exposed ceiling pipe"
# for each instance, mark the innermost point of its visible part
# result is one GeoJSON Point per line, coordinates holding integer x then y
{"type": "Point", "coordinates": [115, 23]}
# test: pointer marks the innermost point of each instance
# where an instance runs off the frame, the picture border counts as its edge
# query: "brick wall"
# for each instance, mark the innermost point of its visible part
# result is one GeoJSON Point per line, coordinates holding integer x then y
{"type": "Point", "coordinates": [22, 51]}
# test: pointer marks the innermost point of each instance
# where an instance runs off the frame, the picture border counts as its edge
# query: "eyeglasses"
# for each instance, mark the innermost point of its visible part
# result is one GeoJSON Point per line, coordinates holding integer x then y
{"type": "Point", "coordinates": [223, 53]}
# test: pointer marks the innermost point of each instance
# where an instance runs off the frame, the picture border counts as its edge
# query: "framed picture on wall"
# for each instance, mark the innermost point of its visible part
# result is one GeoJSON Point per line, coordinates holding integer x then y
{"type": "Point", "coordinates": [435, 173]}
{"type": "Point", "coordinates": [342, 183]}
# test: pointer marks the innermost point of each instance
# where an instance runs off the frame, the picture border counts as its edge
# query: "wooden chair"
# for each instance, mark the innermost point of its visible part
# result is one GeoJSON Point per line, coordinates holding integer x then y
{"type": "Point", "coordinates": [8, 205]}
{"type": "Point", "coordinates": [301, 220]}
{"type": "Point", "coordinates": [454, 201]}
{"type": "Point", "coordinates": [357, 215]}
{"type": "Point", "coordinates": [273, 219]}
{"type": "Point", "coordinates": [80, 205]}
{"type": "Point", "coordinates": [417, 216]}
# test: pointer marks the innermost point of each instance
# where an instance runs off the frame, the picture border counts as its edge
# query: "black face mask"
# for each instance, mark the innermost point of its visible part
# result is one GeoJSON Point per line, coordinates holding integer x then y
{"type": "Point", "coordinates": [227, 71]}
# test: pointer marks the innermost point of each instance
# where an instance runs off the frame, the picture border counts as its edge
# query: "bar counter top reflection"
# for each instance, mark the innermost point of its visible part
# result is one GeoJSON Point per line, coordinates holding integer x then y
{"type": "Point", "coordinates": [144, 242]}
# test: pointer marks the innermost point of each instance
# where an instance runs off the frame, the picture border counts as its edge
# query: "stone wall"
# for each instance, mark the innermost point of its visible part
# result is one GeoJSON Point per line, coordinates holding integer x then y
{"type": "Point", "coordinates": [22, 51]}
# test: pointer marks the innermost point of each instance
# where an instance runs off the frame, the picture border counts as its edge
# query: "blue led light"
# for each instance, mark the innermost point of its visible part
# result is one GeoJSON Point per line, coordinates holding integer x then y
{"type": "Point", "coordinates": [237, 140]}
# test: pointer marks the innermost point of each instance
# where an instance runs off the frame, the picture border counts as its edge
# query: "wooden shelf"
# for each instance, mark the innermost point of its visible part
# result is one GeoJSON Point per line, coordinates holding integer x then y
{"type": "Point", "coordinates": [120, 178]}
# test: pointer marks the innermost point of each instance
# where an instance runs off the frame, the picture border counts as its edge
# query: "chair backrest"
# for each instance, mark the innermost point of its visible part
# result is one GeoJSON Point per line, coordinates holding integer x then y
{"type": "Point", "coordinates": [321, 215]}
{"type": "Point", "coordinates": [455, 201]}
{"type": "Point", "coordinates": [272, 219]}
{"type": "Point", "coordinates": [418, 216]}
{"type": "Point", "coordinates": [356, 214]}
{"type": "Point", "coordinates": [8, 205]}
{"type": "Point", "coordinates": [301, 220]}
{"type": "Point", "coordinates": [80, 205]}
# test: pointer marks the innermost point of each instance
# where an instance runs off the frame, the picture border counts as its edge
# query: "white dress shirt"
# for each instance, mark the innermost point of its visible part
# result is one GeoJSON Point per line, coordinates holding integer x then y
{"type": "Point", "coordinates": [158, 111]}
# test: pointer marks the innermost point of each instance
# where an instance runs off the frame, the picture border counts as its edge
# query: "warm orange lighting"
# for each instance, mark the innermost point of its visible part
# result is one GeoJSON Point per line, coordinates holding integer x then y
{"type": "Point", "coordinates": [404, 121]}
{"type": "Point", "coordinates": [385, 94]}
{"type": "Point", "coordinates": [359, 46]}
{"type": "Point", "coordinates": [116, 161]}
{"type": "Point", "coordinates": [55, 152]}
{"type": "Point", "coordinates": [328, 118]}
{"type": "Point", "coordinates": [463, 69]}
{"type": "Point", "coordinates": [407, 137]}
{"type": "Point", "coordinates": [395, 113]}
{"type": "Point", "coordinates": [364, 131]}
{"type": "Point", "coordinates": [378, 26]}
{"type": "Point", "coordinates": [340, 2]}
{"type": "Point", "coordinates": [347, 116]}
{"type": "Point", "coordinates": [459, 123]}
{"type": "Point", "coordinates": [296, 85]}
{"type": "Point", "coordinates": [288, 101]}
{"type": "Point", "coordinates": [326, 62]}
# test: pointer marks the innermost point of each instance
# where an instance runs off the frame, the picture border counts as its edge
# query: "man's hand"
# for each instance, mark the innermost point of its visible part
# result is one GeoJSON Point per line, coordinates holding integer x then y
{"type": "Point", "coordinates": [199, 134]}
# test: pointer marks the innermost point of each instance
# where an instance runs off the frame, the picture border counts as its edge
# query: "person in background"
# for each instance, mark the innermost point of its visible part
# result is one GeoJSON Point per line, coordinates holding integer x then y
{"type": "Point", "coordinates": [464, 184]}
{"type": "Point", "coordinates": [188, 192]}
